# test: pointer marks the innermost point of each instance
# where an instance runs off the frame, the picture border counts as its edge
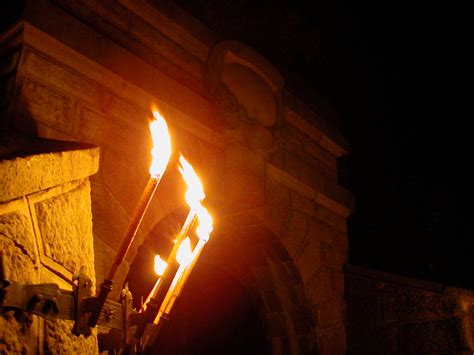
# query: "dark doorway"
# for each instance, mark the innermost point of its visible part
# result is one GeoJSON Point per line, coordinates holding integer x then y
{"type": "Point", "coordinates": [215, 314]}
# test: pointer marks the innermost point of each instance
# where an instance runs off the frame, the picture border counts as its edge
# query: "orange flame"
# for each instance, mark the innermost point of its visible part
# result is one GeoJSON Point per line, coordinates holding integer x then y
{"type": "Point", "coordinates": [195, 192]}
{"type": "Point", "coordinates": [205, 227]}
{"type": "Point", "coordinates": [160, 265]}
{"type": "Point", "coordinates": [161, 150]}
{"type": "Point", "coordinates": [184, 254]}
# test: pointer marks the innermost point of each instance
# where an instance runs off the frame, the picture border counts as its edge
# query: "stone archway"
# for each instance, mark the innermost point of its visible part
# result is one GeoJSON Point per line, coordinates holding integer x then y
{"type": "Point", "coordinates": [244, 296]}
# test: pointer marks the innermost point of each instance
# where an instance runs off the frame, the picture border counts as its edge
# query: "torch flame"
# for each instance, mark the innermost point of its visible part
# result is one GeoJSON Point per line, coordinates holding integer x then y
{"type": "Point", "coordinates": [161, 150]}
{"type": "Point", "coordinates": [195, 192]}
{"type": "Point", "coordinates": [205, 224]}
{"type": "Point", "coordinates": [184, 254]}
{"type": "Point", "coordinates": [160, 265]}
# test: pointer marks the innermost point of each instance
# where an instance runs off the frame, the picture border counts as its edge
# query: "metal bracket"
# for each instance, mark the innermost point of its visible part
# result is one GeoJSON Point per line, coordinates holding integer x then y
{"type": "Point", "coordinates": [50, 302]}
{"type": "Point", "coordinates": [82, 292]}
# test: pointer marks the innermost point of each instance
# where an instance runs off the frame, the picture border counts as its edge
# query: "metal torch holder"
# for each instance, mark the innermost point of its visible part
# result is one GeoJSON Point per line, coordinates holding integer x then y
{"type": "Point", "coordinates": [50, 302]}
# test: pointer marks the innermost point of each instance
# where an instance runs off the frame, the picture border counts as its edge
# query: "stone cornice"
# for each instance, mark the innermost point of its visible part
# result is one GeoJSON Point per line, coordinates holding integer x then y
{"type": "Point", "coordinates": [341, 208]}
{"type": "Point", "coordinates": [43, 164]}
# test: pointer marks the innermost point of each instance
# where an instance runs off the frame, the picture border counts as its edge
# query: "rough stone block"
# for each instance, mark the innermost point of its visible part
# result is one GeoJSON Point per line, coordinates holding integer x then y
{"type": "Point", "coordinates": [276, 251]}
{"type": "Point", "coordinates": [278, 207]}
{"type": "Point", "coordinates": [14, 337]}
{"type": "Point", "coordinates": [60, 340]}
{"type": "Point", "coordinates": [106, 130]}
{"type": "Point", "coordinates": [125, 178]}
{"type": "Point", "coordinates": [257, 137]}
{"type": "Point", "coordinates": [245, 176]}
{"type": "Point", "coordinates": [110, 218]}
{"type": "Point", "coordinates": [309, 259]}
{"type": "Point", "coordinates": [320, 287]}
{"type": "Point", "coordinates": [331, 313]}
{"type": "Point", "coordinates": [302, 203]}
{"type": "Point", "coordinates": [323, 155]}
{"type": "Point", "coordinates": [320, 230]}
{"type": "Point", "coordinates": [64, 222]}
{"type": "Point", "coordinates": [252, 92]}
{"type": "Point", "coordinates": [159, 43]}
{"type": "Point", "coordinates": [341, 241]}
{"type": "Point", "coordinates": [443, 335]}
{"type": "Point", "coordinates": [295, 233]}
{"type": "Point", "coordinates": [25, 175]}
{"type": "Point", "coordinates": [332, 257]}
{"type": "Point", "coordinates": [337, 221]}
{"type": "Point", "coordinates": [111, 11]}
{"type": "Point", "coordinates": [288, 273]}
{"type": "Point", "coordinates": [47, 105]}
{"type": "Point", "coordinates": [17, 226]}
{"type": "Point", "coordinates": [60, 77]}
{"type": "Point", "coordinates": [212, 170]}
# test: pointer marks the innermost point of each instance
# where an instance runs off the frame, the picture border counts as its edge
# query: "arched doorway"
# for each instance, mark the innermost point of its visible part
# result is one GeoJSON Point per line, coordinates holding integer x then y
{"type": "Point", "coordinates": [244, 296]}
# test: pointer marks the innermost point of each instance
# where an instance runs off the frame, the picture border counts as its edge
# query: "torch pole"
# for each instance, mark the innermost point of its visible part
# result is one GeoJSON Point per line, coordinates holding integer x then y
{"type": "Point", "coordinates": [151, 308]}
{"type": "Point", "coordinates": [127, 241]}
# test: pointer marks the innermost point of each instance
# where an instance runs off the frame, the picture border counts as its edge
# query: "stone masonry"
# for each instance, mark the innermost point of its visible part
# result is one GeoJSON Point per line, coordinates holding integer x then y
{"type": "Point", "coordinates": [391, 314]}
{"type": "Point", "coordinates": [45, 219]}
{"type": "Point", "coordinates": [90, 71]}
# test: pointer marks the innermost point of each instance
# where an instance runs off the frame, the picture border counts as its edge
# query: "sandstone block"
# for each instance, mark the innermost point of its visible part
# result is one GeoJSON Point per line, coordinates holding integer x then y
{"type": "Point", "coordinates": [111, 11]}
{"type": "Point", "coordinates": [252, 92]}
{"type": "Point", "coordinates": [59, 76]}
{"type": "Point", "coordinates": [320, 230]}
{"type": "Point", "coordinates": [302, 203]}
{"type": "Point", "coordinates": [320, 287]}
{"type": "Point", "coordinates": [309, 259]}
{"type": "Point", "coordinates": [294, 233]}
{"type": "Point", "coordinates": [14, 336]}
{"type": "Point", "coordinates": [60, 340]}
{"type": "Point", "coordinates": [124, 177]}
{"type": "Point", "coordinates": [331, 313]}
{"type": "Point", "coordinates": [341, 241]}
{"type": "Point", "coordinates": [278, 207]}
{"type": "Point", "coordinates": [159, 43]}
{"type": "Point", "coordinates": [245, 176]}
{"type": "Point", "coordinates": [257, 137]}
{"type": "Point", "coordinates": [47, 105]}
{"type": "Point", "coordinates": [333, 258]}
{"type": "Point", "coordinates": [106, 130]}
{"type": "Point", "coordinates": [443, 335]}
{"type": "Point", "coordinates": [24, 175]}
{"type": "Point", "coordinates": [17, 226]}
{"type": "Point", "coordinates": [64, 222]}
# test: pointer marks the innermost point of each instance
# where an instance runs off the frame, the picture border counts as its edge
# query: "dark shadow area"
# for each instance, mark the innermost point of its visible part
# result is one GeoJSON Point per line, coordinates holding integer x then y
{"type": "Point", "coordinates": [393, 73]}
{"type": "Point", "coordinates": [215, 314]}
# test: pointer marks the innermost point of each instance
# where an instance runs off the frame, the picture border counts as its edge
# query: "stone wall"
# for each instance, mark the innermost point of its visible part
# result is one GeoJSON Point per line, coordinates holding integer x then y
{"type": "Point", "coordinates": [267, 162]}
{"type": "Point", "coordinates": [45, 219]}
{"type": "Point", "coordinates": [391, 314]}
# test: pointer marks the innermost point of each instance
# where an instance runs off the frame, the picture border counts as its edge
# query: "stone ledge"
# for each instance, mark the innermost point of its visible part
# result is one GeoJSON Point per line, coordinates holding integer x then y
{"type": "Point", "coordinates": [38, 164]}
{"type": "Point", "coordinates": [282, 177]}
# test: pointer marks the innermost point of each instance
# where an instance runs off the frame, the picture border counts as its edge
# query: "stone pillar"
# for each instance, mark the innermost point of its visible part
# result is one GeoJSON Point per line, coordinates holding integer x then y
{"type": "Point", "coordinates": [45, 234]}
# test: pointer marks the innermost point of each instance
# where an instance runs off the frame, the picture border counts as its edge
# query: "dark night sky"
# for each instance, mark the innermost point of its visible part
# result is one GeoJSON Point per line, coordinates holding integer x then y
{"type": "Point", "coordinates": [393, 72]}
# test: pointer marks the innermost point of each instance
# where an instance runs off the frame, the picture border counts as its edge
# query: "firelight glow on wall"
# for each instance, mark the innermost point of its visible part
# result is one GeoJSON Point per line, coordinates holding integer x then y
{"type": "Point", "coordinates": [128, 327]}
